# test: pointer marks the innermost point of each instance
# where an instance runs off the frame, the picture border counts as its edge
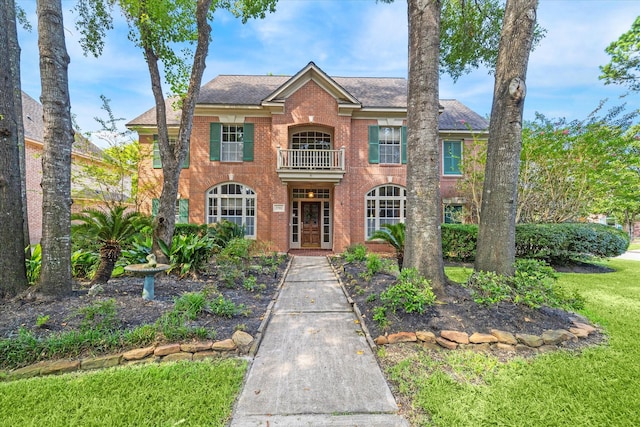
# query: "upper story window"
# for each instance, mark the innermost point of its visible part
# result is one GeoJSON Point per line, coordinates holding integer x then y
{"type": "Point", "coordinates": [311, 140]}
{"type": "Point", "coordinates": [232, 202]}
{"type": "Point", "coordinates": [231, 142]}
{"type": "Point", "coordinates": [388, 145]}
{"type": "Point", "coordinates": [386, 204]}
{"type": "Point", "coordinates": [389, 140]}
{"type": "Point", "coordinates": [452, 157]}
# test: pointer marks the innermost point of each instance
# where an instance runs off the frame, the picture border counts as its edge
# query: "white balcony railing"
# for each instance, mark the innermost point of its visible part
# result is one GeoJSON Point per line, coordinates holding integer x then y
{"type": "Point", "coordinates": [316, 160]}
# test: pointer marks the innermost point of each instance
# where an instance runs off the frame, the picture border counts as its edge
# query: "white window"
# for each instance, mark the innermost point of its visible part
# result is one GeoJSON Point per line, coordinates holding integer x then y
{"type": "Point", "coordinates": [231, 144]}
{"type": "Point", "coordinates": [385, 204]}
{"type": "Point", "coordinates": [389, 143]}
{"type": "Point", "coordinates": [233, 202]}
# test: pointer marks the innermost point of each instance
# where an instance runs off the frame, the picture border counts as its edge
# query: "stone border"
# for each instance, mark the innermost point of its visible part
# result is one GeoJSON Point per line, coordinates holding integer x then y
{"type": "Point", "coordinates": [495, 340]}
{"type": "Point", "coordinates": [241, 343]}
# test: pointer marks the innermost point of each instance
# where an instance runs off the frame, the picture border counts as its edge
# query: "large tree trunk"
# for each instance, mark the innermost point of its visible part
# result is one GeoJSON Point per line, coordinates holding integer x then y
{"type": "Point", "coordinates": [173, 156]}
{"type": "Point", "coordinates": [423, 242]}
{"type": "Point", "coordinates": [56, 159]}
{"type": "Point", "coordinates": [496, 234]}
{"type": "Point", "coordinates": [13, 276]}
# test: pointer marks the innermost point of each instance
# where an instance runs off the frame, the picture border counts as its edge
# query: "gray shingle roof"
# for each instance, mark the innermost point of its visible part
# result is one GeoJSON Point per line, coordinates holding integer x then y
{"type": "Point", "coordinates": [32, 116]}
{"type": "Point", "coordinates": [371, 92]}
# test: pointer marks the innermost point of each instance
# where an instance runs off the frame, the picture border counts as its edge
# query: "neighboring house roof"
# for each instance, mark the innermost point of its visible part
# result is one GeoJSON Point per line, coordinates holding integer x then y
{"type": "Point", "coordinates": [370, 92]}
{"type": "Point", "coordinates": [32, 116]}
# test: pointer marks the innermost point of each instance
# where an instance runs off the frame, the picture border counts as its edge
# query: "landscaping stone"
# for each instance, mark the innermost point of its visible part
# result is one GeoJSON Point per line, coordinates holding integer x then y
{"type": "Point", "coordinates": [547, 348]}
{"type": "Point", "coordinates": [483, 347]}
{"type": "Point", "coordinates": [27, 371]}
{"type": "Point", "coordinates": [590, 329]}
{"type": "Point", "coordinates": [455, 336]}
{"type": "Point", "coordinates": [504, 337]}
{"type": "Point", "coordinates": [579, 332]}
{"type": "Point", "coordinates": [163, 350]}
{"type": "Point", "coordinates": [500, 346]}
{"type": "Point", "coordinates": [138, 353]}
{"type": "Point", "coordinates": [60, 366]}
{"type": "Point", "coordinates": [225, 345]}
{"type": "Point", "coordinates": [477, 338]}
{"type": "Point", "coordinates": [194, 347]}
{"type": "Point", "coordinates": [450, 345]}
{"type": "Point", "coordinates": [431, 345]}
{"type": "Point", "coordinates": [100, 362]}
{"type": "Point", "coordinates": [426, 336]}
{"type": "Point", "coordinates": [205, 355]}
{"type": "Point", "coordinates": [556, 337]}
{"type": "Point", "coordinates": [175, 357]}
{"type": "Point", "coordinates": [381, 340]}
{"type": "Point", "coordinates": [402, 337]}
{"type": "Point", "coordinates": [242, 340]}
{"type": "Point", "coordinates": [530, 340]}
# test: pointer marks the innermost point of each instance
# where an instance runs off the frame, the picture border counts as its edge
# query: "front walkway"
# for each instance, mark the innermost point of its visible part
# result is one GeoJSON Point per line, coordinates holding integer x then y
{"type": "Point", "coordinates": [314, 366]}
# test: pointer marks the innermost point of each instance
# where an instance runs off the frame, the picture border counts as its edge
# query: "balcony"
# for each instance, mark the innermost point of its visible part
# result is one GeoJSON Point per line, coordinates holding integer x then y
{"type": "Point", "coordinates": [311, 165]}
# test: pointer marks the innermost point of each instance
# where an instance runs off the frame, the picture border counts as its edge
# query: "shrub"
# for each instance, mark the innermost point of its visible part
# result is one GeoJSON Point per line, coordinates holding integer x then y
{"type": "Point", "coordinates": [557, 244]}
{"type": "Point", "coordinates": [221, 306]}
{"type": "Point", "coordinates": [533, 284]}
{"type": "Point", "coordinates": [236, 251]}
{"type": "Point", "coordinates": [189, 253]}
{"type": "Point", "coordinates": [357, 252]}
{"type": "Point", "coordinates": [182, 229]}
{"type": "Point", "coordinates": [84, 264]}
{"type": "Point", "coordinates": [412, 293]}
{"type": "Point", "coordinates": [224, 232]}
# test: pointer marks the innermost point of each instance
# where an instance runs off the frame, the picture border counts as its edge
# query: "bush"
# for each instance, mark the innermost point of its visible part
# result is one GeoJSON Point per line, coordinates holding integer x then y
{"type": "Point", "coordinates": [557, 244]}
{"type": "Point", "coordinates": [357, 252]}
{"type": "Point", "coordinates": [190, 230]}
{"type": "Point", "coordinates": [412, 293]}
{"type": "Point", "coordinates": [533, 284]}
{"type": "Point", "coordinates": [189, 253]}
{"type": "Point", "coordinates": [224, 232]}
{"type": "Point", "coordinates": [33, 262]}
{"type": "Point", "coordinates": [236, 251]}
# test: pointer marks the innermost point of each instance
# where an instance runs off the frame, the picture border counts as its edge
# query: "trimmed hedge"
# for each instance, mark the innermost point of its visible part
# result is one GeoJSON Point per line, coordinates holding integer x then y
{"type": "Point", "coordinates": [556, 244]}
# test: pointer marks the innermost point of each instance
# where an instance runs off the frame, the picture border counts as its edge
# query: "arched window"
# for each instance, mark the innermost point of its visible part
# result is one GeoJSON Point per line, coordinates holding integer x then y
{"type": "Point", "coordinates": [385, 204]}
{"type": "Point", "coordinates": [311, 140]}
{"type": "Point", "coordinates": [235, 203]}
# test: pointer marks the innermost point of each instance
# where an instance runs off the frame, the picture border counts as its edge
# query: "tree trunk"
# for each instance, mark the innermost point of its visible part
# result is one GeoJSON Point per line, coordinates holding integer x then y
{"type": "Point", "coordinates": [109, 254]}
{"type": "Point", "coordinates": [13, 276]}
{"type": "Point", "coordinates": [173, 156]}
{"type": "Point", "coordinates": [496, 233]}
{"type": "Point", "coordinates": [423, 244]}
{"type": "Point", "coordinates": [56, 159]}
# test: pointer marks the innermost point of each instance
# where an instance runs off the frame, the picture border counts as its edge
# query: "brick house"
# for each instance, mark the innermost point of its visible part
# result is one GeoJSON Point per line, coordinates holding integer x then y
{"type": "Point", "coordinates": [84, 152]}
{"type": "Point", "coordinates": [303, 161]}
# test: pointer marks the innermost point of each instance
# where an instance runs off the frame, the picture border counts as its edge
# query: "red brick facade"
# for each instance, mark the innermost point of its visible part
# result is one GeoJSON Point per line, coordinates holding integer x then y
{"type": "Point", "coordinates": [310, 101]}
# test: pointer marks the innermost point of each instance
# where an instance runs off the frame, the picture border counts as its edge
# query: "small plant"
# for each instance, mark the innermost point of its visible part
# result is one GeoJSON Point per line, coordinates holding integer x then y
{"type": "Point", "coordinates": [223, 232]}
{"type": "Point", "coordinates": [230, 275]}
{"type": "Point", "coordinates": [240, 327]}
{"type": "Point", "coordinates": [33, 263]}
{"type": "Point", "coordinates": [357, 252]}
{"type": "Point", "coordinates": [190, 253]}
{"type": "Point", "coordinates": [380, 316]}
{"type": "Point", "coordinates": [412, 293]}
{"type": "Point", "coordinates": [191, 304]}
{"type": "Point", "coordinates": [41, 321]}
{"type": "Point", "coordinates": [250, 283]}
{"type": "Point", "coordinates": [99, 316]}
{"type": "Point", "coordinates": [221, 306]}
{"type": "Point", "coordinates": [371, 298]}
{"type": "Point", "coordinates": [374, 264]}
{"type": "Point", "coordinates": [394, 235]}
{"type": "Point", "coordinates": [236, 251]}
{"type": "Point", "coordinates": [84, 264]}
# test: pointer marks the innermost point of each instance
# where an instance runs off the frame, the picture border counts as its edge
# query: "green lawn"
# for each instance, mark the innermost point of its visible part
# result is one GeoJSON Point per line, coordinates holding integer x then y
{"type": "Point", "coordinates": [635, 245]}
{"type": "Point", "coordinates": [598, 387]}
{"type": "Point", "coordinates": [185, 394]}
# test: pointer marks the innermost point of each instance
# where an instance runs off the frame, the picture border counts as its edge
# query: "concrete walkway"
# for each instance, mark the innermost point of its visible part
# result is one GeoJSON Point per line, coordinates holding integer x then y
{"type": "Point", "coordinates": [314, 367]}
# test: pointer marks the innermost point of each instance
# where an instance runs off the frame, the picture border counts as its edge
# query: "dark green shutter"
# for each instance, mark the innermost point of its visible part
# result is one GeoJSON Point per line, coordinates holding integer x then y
{"type": "Point", "coordinates": [403, 145]}
{"type": "Point", "coordinates": [185, 163]}
{"type": "Point", "coordinates": [155, 205]}
{"type": "Point", "coordinates": [374, 144]}
{"type": "Point", "coordinates": [214, 141]}
{"type": "Point", "coordinates": [157, 162]}
{"type": "Point", "coordinates": [183, 211]}
{"type": "Point", "coordinates": [247, 142]}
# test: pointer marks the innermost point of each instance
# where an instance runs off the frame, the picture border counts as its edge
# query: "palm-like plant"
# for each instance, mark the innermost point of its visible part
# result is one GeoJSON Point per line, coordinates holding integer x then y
{"type": "Point", "coordinates": [392, 234]}
{"type": "Point", "coordinates": [110, 229]}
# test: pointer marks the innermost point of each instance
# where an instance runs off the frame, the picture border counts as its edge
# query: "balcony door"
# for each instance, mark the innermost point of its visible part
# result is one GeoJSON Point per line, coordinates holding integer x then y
{"type": "Point", "coordinates": [311, 225]}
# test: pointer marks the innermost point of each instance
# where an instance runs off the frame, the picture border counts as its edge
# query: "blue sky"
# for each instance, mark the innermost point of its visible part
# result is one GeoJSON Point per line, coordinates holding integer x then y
{"type": "Point", "coordinates": [349, 38]}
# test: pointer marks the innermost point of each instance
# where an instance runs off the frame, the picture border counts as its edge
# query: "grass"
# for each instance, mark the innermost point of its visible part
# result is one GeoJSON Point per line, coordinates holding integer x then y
{"type": "Point", "coordinates": [185, 394]}
{"type": "Point", "coordinates": [597, 387]}
{"type": "Point", "coordinates": [634, 246]}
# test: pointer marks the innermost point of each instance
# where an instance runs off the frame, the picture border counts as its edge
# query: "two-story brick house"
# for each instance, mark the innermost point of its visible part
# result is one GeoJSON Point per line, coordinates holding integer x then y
{"type": "Point", "coordinates": [303, 161]}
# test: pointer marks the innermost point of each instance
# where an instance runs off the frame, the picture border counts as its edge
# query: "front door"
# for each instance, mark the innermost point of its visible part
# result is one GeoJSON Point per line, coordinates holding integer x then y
{"type": "Point", "coordinates": [311, 224]}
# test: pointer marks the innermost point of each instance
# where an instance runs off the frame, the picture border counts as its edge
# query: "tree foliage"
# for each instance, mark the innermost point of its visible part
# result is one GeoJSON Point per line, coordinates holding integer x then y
{"type": "Point", "coordinates": [571, 170]}
{"type": "Point", "coordinates": [624, 68]}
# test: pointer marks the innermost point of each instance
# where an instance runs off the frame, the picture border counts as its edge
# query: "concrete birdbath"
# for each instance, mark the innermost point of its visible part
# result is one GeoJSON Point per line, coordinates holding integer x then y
{"type": "Point", "coordinates": [148, 270]}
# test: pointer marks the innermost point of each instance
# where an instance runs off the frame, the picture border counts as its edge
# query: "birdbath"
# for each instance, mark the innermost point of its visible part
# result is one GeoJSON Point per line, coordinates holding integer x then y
{"type": "Point", "coordinates": [148, 270]}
